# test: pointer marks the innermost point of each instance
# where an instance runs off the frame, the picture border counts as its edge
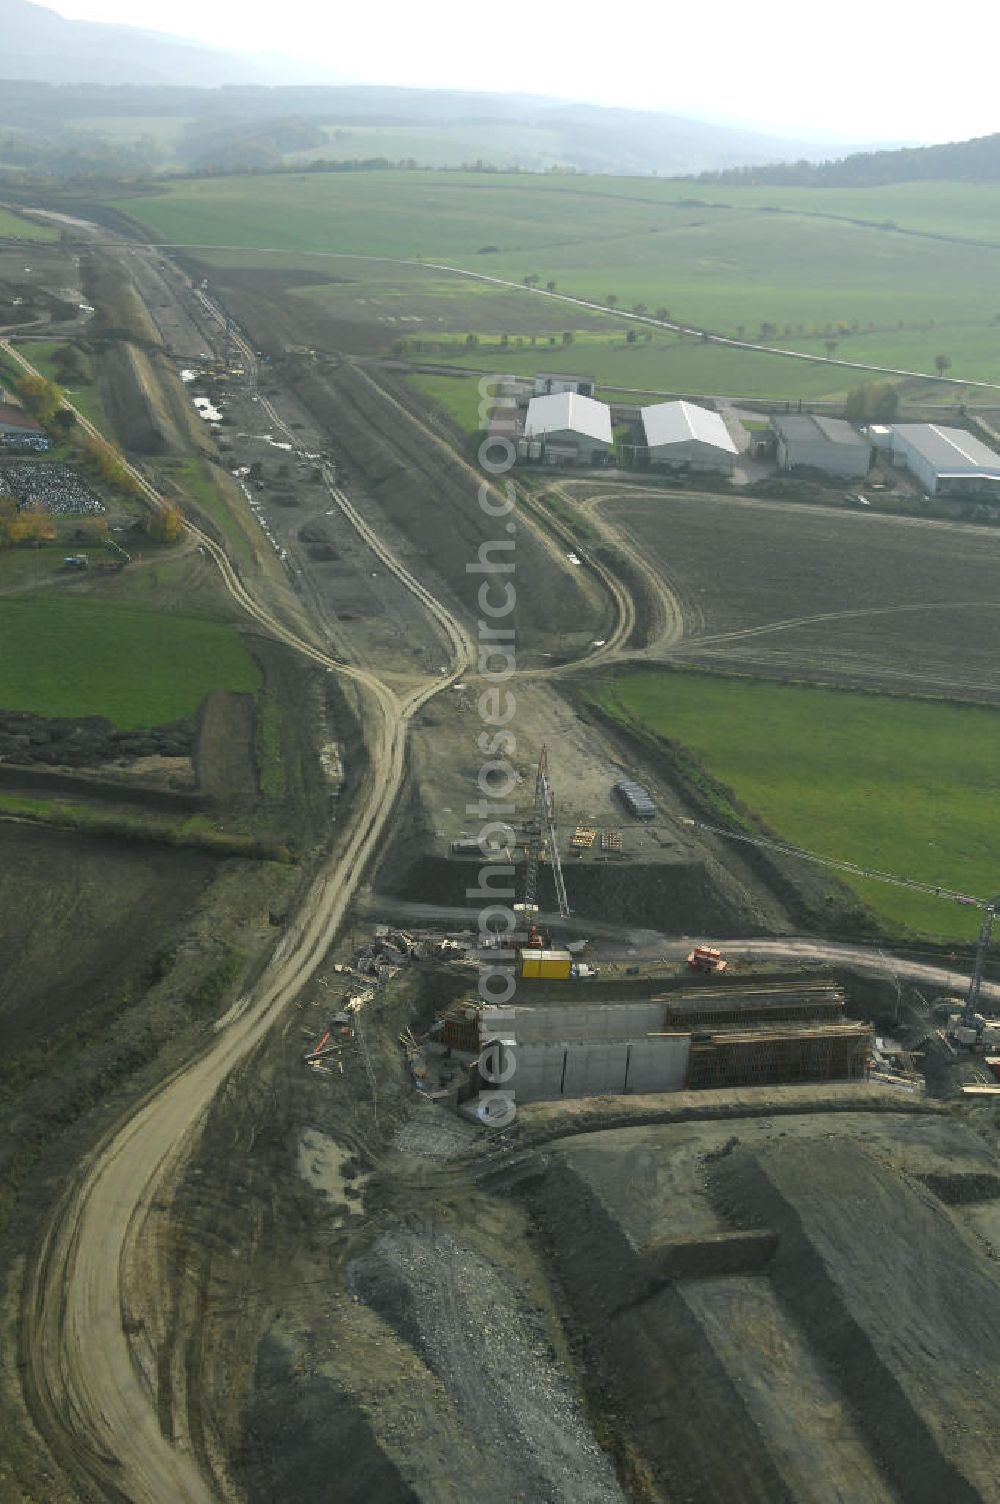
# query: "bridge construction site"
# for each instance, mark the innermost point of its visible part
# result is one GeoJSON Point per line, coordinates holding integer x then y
{"type": "Point", "coordinates": [574, 1027]}
{"type": "Point", "coordinates": [726, 1167]}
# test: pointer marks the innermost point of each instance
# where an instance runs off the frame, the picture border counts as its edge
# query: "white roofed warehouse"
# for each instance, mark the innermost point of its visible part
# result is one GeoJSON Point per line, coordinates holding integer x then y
{"type": "Point", "coordinates": [828, 445]}
{"type": "Point", "coordinates": [684, 435]}
{"type": "Point", "coordinates": [947, 461]}
{"type": "Point", "coordinates": [568, 429]}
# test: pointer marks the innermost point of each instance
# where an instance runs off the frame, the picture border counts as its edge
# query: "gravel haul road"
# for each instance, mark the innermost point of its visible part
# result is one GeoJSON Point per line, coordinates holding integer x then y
{"type": "Point", "coordinates": [88, 1381]}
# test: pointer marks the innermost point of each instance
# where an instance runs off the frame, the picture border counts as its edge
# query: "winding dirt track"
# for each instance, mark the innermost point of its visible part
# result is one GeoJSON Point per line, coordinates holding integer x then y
{"type": "Point", "coordinates": [84, 1378]}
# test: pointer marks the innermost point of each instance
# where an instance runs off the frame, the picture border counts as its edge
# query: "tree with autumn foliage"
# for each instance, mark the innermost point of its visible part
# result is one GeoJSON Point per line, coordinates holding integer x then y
{"type": "Point", "coordinates": [108, 464]}
{"type": "Point", "coordinates": [42, 398]}
{"type": "Point", "coordinates": [166, 524]}
{"type": "Point", "coordinates": [30, 524]}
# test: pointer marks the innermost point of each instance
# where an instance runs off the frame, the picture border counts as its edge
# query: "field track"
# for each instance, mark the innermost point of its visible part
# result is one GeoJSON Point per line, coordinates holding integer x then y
{"type": "Point", "coordinates": [645, 319]}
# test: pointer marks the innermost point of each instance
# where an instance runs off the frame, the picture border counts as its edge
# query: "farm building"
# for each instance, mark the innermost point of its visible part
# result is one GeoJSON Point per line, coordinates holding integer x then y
{"type": "Point", "coordinates": [831, 445]}
{"type": "Point", "coordinates": [880, 435]}
{"type": "Point", "coordinates": [683, 434]}
{"type": "Point", "coordinates": [568, 429]}
{"type": "Point", "coordinates": [946, 461]}
{"type": "Point", "coordinates": [547, 382]}
{"type": "Point", "coordinates": [19, 431]}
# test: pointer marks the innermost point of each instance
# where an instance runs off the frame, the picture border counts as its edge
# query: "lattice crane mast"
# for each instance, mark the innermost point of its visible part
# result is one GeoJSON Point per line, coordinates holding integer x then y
{"type": "Point", "coordinates": [990, 906]}
{"type": "Point", "coordinates": [543, 822]}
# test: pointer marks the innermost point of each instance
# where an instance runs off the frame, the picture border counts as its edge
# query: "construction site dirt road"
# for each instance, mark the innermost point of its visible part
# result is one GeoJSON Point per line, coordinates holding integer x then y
{"type": "Point", "coordinates": [87, 1380]}
{"type": "Point", "coordinates": [89, 1372]}
{"type": "Point", "coordinates": [91, 1365]}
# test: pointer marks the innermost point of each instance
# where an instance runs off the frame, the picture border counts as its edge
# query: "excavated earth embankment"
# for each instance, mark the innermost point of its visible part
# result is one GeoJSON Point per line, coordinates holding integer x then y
{"type": "Point", "coordinates": [802, 1307]}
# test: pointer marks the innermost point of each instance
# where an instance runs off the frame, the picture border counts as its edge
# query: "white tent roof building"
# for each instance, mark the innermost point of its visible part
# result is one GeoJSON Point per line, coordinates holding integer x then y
{"type": "Point", "coordinates": [681, 433]}
{"type": "Point", "coordinates": [567, 420]}
{"type": "Point", "coordinates": [948, 461]}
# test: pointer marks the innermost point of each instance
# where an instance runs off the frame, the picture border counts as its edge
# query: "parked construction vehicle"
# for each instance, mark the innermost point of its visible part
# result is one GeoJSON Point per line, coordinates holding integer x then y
{"type": "Point", "coordinates": [966, 1026]}
{"type": "Point", "coordinates": [707, 958]}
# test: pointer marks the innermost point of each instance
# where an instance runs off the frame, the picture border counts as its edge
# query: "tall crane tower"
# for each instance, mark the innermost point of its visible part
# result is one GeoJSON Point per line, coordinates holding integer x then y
{"type": "Point", "coordinates": [990, 906]}
{"type": "Point", "coordinates": [543, 824]}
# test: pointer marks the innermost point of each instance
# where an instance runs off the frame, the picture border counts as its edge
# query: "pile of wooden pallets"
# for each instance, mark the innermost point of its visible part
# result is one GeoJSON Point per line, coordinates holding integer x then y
{"type": "Point", "coordinates": [583, 837]}
{"type": "Point", "coordinates": [611, 840]}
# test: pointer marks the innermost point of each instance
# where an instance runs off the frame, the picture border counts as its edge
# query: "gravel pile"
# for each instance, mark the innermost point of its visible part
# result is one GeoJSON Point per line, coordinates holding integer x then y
{"type": "Point", "coordinates": [488, 1345]}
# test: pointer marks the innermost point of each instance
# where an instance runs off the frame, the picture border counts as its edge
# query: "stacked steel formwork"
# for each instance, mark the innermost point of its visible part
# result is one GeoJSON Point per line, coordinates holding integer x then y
{"type": "Point", "coordinates": [749, 1003]}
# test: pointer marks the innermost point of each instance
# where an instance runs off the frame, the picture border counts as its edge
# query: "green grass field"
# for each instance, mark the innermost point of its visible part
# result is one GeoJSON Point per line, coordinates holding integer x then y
{"type": "Point", "coordinates": [82, 394]}
{"type": "Point", "coordinates": [457, 395]}
{"type": "Point", "coordinates": [434, 146]}
{"type": "Point", "coordinates": [904, 786]}
{"type": "Point", "coordinates": [23, 229]}
{"type": "Point", "coordinates": [664, 364]}
{"type": "Point", "coordinates": [138, 668]}
{"type": "Point", "coordinates": [711, 255]}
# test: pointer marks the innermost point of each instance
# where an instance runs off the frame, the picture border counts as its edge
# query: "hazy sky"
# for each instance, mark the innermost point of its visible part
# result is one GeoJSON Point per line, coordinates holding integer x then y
{"type": "Point", "coordinates": [852, 71]}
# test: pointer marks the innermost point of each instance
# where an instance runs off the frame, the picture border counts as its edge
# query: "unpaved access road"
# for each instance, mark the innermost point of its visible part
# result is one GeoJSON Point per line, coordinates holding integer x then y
{"type": "Point", "coordinates": [89, 1384]}
{"type": "Point", "coordinates": [588, 306]}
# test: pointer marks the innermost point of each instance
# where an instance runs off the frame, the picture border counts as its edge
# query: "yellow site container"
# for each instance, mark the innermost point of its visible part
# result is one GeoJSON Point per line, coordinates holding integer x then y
{"type": "Point", "coordinates": [553, 965]}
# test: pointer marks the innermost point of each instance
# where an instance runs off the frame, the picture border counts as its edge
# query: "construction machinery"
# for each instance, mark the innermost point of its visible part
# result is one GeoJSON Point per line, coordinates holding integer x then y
{"type": "Point", "coordinates": [965, 1026]}
{"type": "Point", "coordinates": [970, 1021]}
{"type": "Point", "coordinates": [707, 958]}
{"type": "Point", "coordinates": [118, 553]}
{"type": "Point", "coordinates": [537, 960]}
{"type": "Point", "coordinates": [543, 825]}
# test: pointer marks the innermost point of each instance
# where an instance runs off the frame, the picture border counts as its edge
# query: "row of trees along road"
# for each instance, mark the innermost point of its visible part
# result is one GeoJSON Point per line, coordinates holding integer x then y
{"type": "Point", "coordinates": [97, 458]}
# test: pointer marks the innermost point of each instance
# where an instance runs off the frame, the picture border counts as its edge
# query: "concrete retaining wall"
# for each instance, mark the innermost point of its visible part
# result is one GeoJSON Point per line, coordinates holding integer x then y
{"type": "Point", "coordinates": [546, 1072]}
{"type": "Point", "coordinates": [563, 1024]}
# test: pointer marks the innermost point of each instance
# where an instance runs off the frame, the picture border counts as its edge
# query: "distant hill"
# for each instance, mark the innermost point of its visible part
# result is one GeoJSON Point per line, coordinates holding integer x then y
{"type": "Point", "coordinates": [73, 88]}
{"type": "Point", "coordinates": [975, 161]}
{"type": "Point", "coordinates": [36, 43]}
{"type": "Point", "coordinates": [74, 124]}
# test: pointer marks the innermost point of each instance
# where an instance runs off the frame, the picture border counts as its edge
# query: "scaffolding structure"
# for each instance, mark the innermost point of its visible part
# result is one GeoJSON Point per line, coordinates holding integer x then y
{"type": "Point", "coordinates": [779, 1056]}
{"type": "Point", "coordinates": [776, 1002]}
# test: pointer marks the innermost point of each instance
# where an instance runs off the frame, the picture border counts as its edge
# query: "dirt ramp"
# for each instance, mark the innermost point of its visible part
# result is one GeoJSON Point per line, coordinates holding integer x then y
{"type": "Point", "coordinates": [489, 1351]}
{"type": "Point", "coordinates": [350, 1415]}
{"type": "Point", "coordinates": [147, 404]}
{"type": "Point", "coordinates": [670, 1396]}
{"type": "Point", "coordinates": [330, 1451]}
{"type": "Point", "coordinates": [894, 1296]}
{"type": "Point", "coordinates": [224, 746]}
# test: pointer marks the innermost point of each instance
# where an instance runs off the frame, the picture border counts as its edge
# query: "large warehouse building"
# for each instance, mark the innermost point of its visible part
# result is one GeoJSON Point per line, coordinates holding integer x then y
{"type": "Point", "coordinates": [684, 435]}
{"type": "Point", "coordinates": [568, 429]}
{"type": "Point", "coordinates": [946, 461]}
{"type": "Point", "coordinates": [830, 445]}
